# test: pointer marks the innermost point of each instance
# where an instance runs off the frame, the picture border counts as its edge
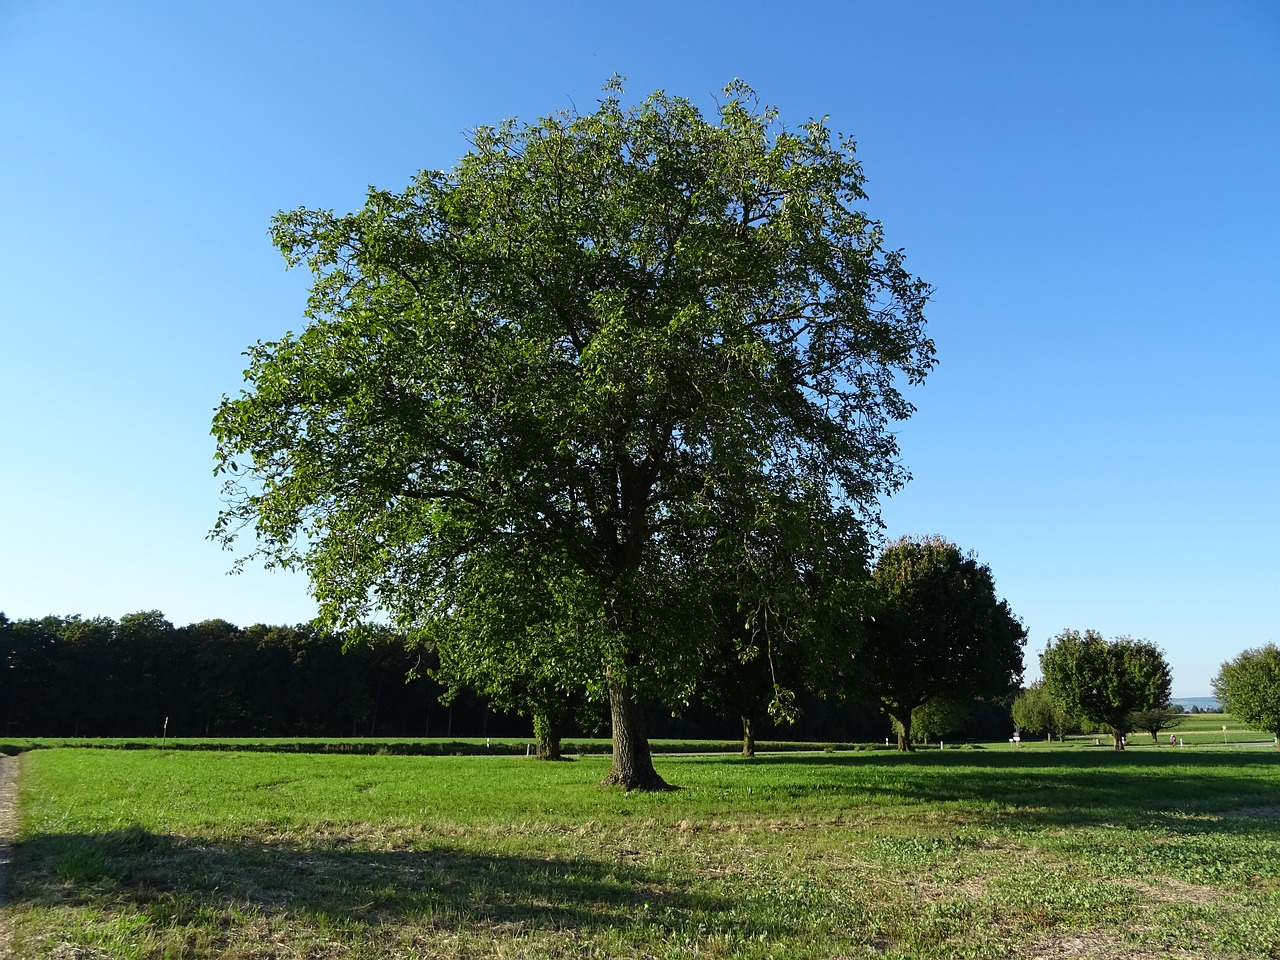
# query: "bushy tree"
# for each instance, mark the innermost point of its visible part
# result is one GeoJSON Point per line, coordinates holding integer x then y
{"type": "Point", "coordinates": [151, 677]}
{"type": "Point", "coordinates": [1036, 710]}
{"type": "Point", "coordinates": [86, 674]}
{"type": "Point", "coordinates": [937, 718]}
{"type": "Point", "coordinates": [522, 614]}
{"type": "Point", "coordinates": [578, 353]}
{"type": "Point", "coordinates": [1106, 682]}
{"type": "Point", "coordinates": [1249, 688]}
{"type": "Point", "coordinates": [1153, 720]}
{"type": "Point", "coordinates": [935, 629]}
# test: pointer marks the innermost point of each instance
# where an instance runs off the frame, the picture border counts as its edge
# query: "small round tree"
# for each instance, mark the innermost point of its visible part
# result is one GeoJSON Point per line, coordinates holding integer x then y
{"type": "Point", "coordinates": [1106, 681]}
{"type": "Point", "coordinates": [1156, 719]}
{"type": "Point", "coordinates": [1036, 710]}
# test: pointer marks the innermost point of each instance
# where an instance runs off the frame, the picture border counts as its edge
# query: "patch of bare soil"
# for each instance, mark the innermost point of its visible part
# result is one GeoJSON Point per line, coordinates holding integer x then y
{"type": "Point", "coordinates": [1094, 945]}
{"type": "Point", "coordinates": [8, 826]}
{"type": "Point", "coordinates": [1253, 813]}
{"type": "Point", "coordinates": [1168, 890]}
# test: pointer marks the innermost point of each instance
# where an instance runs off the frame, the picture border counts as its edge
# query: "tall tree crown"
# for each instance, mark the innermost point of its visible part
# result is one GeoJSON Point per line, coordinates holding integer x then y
{"type": "Point", "coordinates": [573, 372]}
{"type": "Point", "coordinates": [595, 326]}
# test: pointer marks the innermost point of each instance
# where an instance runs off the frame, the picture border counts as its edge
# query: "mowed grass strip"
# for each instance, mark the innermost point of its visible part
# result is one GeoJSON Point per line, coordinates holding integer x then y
{"type": "Point", "coordinates": [964, 853]}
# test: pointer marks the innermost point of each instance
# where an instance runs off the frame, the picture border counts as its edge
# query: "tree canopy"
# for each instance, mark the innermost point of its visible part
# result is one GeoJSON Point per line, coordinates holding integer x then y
{"type": "Point", "coordinates": [1106, 682]}
{"type": "Point", "coordinates": [1155, 720]}
{"type": "Point", "coordinates": [779, 621]}
{"type": "Point", "coordinates": [562, 378]}
{"type": "Point", "coordinates": [1037, 710]}
{"type": "Point", "coordinates": [935, 629]}
{"type": "Point", "coordinates": [1249, 688]}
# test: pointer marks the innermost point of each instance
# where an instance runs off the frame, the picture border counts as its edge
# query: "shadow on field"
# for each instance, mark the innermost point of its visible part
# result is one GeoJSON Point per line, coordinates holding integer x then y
{"type": "Point", "coordinates": [179, 881]}
{"type": "Point", "coordinates": [1068, 788]}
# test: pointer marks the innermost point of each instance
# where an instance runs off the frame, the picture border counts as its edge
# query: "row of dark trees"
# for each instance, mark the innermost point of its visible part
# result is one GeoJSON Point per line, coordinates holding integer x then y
{"type": "Point", "coordinates": [143, 676]}
{"type": "Point", "coordinates": [98, 677]}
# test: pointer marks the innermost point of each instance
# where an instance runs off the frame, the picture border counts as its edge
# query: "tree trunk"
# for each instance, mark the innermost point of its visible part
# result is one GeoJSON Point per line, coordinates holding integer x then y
{"type": "Point", "coordinates": [377, 699]}
{"type": "Point", "coordinates": [546, 727]}
{"type": "Point", "coordinates": [1117, 740]}
{"type": "Point", "coordinates": [748, 735]}
{"type": "Point", "coordinates": [632, 762]}
{"type": "Point", "coordinates": [904, 732]}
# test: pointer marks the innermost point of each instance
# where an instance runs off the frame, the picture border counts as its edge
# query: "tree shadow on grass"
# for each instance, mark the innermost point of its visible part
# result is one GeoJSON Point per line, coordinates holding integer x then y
{"type": "Point", "coordinates": [1069, 788]}
{"type": "Point", "coordinates": [177, 880]}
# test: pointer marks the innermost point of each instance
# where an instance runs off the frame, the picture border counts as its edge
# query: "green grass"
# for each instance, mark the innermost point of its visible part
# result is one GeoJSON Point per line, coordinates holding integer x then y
{"type": "Point", "coordinates": [1206, 728]}
{"type": "Point", "coordinates": [424, 746]}
{"type": "Point", "coordinates": [1066, 851]}
{"type": "Point", "coordinates": [1199, 730]}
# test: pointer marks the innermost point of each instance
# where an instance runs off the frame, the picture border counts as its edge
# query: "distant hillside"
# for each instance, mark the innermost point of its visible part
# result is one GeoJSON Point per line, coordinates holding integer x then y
{"type": "Point", "coordinates": [1209, 704]}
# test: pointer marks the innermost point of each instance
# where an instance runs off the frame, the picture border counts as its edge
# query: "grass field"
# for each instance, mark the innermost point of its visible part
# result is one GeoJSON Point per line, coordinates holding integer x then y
{"type": "Point", "coordinates": [409, 746]}
{"type": "Point", "coordinates": [1044, 851]}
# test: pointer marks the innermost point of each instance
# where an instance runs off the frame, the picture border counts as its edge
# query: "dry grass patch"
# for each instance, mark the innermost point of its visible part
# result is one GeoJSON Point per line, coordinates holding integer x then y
{"type": "Point", "coordinates": [1270, 812]}
{"type": "Point", "coordinates": [1096, 945]}
{"type": "Point", "coordinates": [1171, 891]}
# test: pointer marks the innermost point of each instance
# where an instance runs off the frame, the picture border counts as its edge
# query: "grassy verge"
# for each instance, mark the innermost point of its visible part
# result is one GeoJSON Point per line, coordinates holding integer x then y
{"type": "Point", "coordinates": [966, 853]}
{"type": "Point", "coordinates": [425, 747]}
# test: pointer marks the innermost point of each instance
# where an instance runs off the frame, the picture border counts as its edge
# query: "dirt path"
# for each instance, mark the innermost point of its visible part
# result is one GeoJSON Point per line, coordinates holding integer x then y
{"type": "Point", "coordinates": [8, 825]}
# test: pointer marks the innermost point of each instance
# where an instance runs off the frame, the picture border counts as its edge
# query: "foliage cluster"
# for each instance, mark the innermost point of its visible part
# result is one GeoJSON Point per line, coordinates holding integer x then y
{"type": "Point", "coordinates": [1249, 686]}
{"type": "Point", "coordinates": [1037, 710]}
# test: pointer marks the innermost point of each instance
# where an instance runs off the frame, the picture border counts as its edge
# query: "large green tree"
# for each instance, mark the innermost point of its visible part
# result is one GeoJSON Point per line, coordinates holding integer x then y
{"type": "Point", "coordinates": [1106, 682]}
{"type": "Point", "coordinates": [935, 629]}
{"type": "Point", "coordinates": [573, 357]}
{"type": "Point", "coordinates": [1249, 688]}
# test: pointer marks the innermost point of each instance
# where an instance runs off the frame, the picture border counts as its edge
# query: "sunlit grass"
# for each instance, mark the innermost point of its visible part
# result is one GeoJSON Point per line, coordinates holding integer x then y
{"type": "Point", "coordinates": [949, 853]}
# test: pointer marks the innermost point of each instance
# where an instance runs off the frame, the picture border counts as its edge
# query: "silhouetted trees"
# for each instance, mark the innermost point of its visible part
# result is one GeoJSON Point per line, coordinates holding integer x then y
{"type": "Point", "coordinates": [97, 677]}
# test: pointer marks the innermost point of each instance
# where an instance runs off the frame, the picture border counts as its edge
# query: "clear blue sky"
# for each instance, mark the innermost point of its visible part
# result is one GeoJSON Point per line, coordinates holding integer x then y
{"type": "Point", "coordinates": [1092, 187]}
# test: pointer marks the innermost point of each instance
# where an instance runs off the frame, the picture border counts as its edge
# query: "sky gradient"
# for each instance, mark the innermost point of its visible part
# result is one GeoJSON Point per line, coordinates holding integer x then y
{"type": "Point", "coordinates": [1092, 189]}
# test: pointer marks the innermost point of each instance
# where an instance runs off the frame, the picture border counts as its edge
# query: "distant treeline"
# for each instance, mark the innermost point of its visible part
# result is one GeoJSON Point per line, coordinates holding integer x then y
{"type": "Point", "coordinates": [98, 677]}
{"type": "Point", "coordinates": [141, 676]}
